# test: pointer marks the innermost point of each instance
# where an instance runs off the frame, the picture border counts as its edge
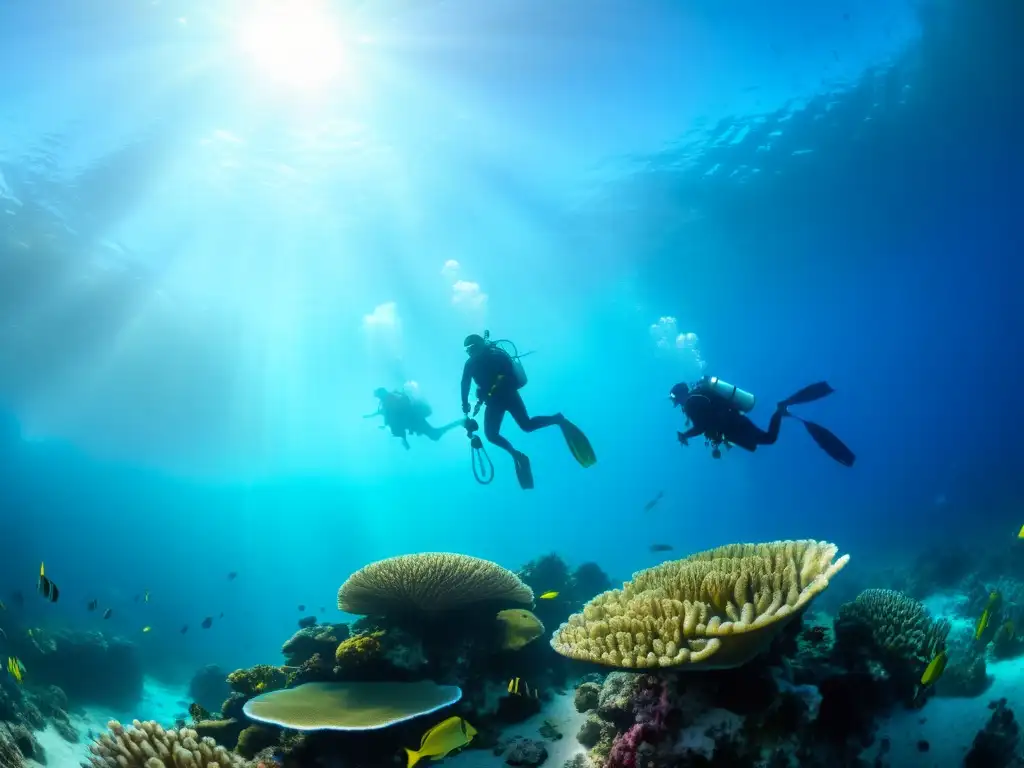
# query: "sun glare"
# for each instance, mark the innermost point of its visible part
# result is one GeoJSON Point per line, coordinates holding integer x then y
{"type": "Point", "coordinates": [297, 44]}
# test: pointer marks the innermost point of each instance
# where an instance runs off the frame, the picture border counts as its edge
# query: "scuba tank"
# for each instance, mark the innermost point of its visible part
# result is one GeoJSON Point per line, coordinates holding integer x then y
{"type": "Point", "coordinates": [733, 396]}
{"type": "Point", "coordinates": [510, 351]}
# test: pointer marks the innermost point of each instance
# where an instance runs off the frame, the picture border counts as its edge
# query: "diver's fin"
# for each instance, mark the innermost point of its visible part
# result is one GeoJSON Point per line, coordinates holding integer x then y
{"type": "Point", "coordinates": [578, 443]}
{"type": "Point", "coordinates": [523, 472]}
{"type": "Point", "coordinates": [830, 444]}
{"type": "Point", "coordinates": [808, 394]}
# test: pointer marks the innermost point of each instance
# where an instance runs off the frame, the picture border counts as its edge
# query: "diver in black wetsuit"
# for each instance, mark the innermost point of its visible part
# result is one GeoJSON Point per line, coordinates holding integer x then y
{"type": "Point", "coordinates": [498, 383]}
{"type": "Point", "coordinates": [404, 415]}
{"type": "Point", "coordinates": [715, 409]}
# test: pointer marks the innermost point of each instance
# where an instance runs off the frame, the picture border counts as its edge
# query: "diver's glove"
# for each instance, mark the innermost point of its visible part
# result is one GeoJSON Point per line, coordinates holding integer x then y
{"type": "Point", "coordinates": [682, 438]}
{"type": "Point", "coordinates": [465, 408]}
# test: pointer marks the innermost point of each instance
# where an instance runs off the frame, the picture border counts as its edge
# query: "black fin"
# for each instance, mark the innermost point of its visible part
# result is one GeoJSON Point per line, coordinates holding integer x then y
{"type": "Point", "coordinates": [523, 472]}
{"type": "Point", "coordinates": [830, 444]}
{"type": "Point", "coordinates": [808, 394]}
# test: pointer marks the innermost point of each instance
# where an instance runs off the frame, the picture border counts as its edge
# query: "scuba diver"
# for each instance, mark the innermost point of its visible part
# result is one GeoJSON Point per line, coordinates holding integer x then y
{"type": "Point", "coordinates": [499, 375]}
{"type": "Point", "coordinates": [717, 411]}
{"type": "Point", "coordinates": [404, 414]}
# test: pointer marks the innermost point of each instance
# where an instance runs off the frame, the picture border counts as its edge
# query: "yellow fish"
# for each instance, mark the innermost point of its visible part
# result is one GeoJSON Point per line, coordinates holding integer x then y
{"type": "Point", "coordinates": [521, 628]}
{"type": "Point", "coordinates": [934, 669]}
{"type": "Point", "coordinates": [549, 596]}
{"type": "Point", "coordinates": [146, 628]}
{"type": "Point", "coordinates": [993, 604]}
{"type": "Point", "coordinates": [1020, 533]}
{"type": "Point", "coordinates": [442, 739]}
{"type": "Point", "coordinates": [15, 668]}
{"type": "Point", "coordinates": [513, 688]}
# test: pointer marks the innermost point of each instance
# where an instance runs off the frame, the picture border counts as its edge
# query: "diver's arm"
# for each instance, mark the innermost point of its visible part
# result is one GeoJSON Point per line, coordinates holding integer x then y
{"type": "Point", "coordinates": [692, 432]}
{"type": "Point", "coordinates": [467, 379]}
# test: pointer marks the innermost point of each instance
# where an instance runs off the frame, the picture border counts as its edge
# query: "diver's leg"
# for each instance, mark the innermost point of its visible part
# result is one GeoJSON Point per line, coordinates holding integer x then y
{"type": "Point", "coordinates": [772, 434]}
{"type": "Point", "coordinates": [517, 408]}
{"type": "Point", "coordinates": [494, 413]}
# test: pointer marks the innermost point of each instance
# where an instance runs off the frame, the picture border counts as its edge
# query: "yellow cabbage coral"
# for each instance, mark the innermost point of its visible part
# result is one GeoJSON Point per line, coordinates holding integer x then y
{"type": "Point", "coordinates": [147, 745]}
{"type": "Point", "coordinates": [429, 581]}
{"type": "Point", "coordinates": [714, 609]}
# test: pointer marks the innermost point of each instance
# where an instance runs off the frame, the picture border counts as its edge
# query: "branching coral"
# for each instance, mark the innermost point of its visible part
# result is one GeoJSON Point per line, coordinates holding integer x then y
{"type": "Point", "coordinates": [259, 679]}
{"type": "Point", "coordinates": [714, 609]}
{"type": "Point", "coordinates": [430, 581]}
{"type": "Point", "coordinates": [147, 745]}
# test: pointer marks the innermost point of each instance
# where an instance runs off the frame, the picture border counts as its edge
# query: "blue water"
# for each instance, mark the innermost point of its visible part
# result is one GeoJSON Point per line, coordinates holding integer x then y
{"type": "Point", "coordinates": [207, 267]}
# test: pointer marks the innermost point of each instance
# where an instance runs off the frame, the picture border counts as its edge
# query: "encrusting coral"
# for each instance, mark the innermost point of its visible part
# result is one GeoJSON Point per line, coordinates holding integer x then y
{"type": "Point", "coordinates": [713, 609]}
{"type": "Point", "coordinates": [259, 679]}
{"type": "Point", "coordinates": [430, 581]}
{"type": "Point", "coordinates": [147, 745]}
{"type": "Point", "coordinates": [359, 650]}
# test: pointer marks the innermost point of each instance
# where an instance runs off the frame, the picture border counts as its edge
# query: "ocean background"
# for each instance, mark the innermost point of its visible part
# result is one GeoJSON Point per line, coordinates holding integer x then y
{"type": "Point", "coordinates": [207, 267]}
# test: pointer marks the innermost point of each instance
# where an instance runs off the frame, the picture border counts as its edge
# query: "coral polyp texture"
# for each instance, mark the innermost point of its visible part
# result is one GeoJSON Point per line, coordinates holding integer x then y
{"type": "Point", "coordinates": [898, 625]}
{"type": "Point", "coordinates": [147, 745]}
{"type": "Point", "coordinates": [429, 582]}
{"type": "Point", "coordinates": [714, 610]}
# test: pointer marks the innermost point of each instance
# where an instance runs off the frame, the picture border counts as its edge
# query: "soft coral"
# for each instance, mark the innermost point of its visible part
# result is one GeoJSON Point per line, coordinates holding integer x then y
{"type": "Point", "coordinates": [650, 708]}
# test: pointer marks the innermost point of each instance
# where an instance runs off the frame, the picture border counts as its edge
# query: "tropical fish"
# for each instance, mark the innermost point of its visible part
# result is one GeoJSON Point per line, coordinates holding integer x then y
{"type": "Point", "coordinates": [1020, 533]}
{"type": "Point", "coordinates": [516, 689]}
{"type": "Point", "coordinates": [46, 587]}
{"type": "Point", "coordinates": [106, 613]}
{"type": "Point", "coordinates": [207, 622]}
{"type": "Point", "coordinates": [145, 599]}
{"type": "Point", "coordinates": [934, 669]}
{"type": "Point", "coordinates": [302, 607]}
{"type": "Point", "coordinates": [995, 600]}
{"type": "Point", "coordinates": [260, 686]}
{"type": "Point", "coordinates": [661, 547]}
{"type": "Point", "coordinates": [221, 615]}
{"type": "Point", "coordinates": [521, 628]}
{"type": "Point", "coordinates": [548, 596]}
{"type": "Point", "coordinates": [232, 576]}
{"type": "Point", "coordinates": [442, 739]}
{"type": "Point", "coordinates": [15, 668]}
{"type": "Point", "coordinates": [92, 605]}
{"type": "Point", "coordinates": [147, 628]}
{"type": "Point", "coordinates": [654, 502]}
{"type": "Point", "coordinates": [184, 629]}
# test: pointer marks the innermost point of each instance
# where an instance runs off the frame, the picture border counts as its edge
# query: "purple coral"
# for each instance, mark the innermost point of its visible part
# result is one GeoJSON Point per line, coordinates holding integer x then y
{"type": "Point", "coordinates": [650, 709]}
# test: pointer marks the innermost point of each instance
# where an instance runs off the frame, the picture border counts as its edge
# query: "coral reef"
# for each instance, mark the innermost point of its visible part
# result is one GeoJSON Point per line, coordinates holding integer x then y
{"type": "Point", "coordinates": [586, 697]}
{"type": "Point", "coordinates": [255, 680]}
{"type": "Point", "coordinates": [209, 687]}
{"type": "Point", "coordinates": [90, 667]}
{"type": "Point", "coordinates": [429, 581]}
{"type": "Point", "coordinates": [318, 639]}
{"type": "Point", "coordinates": [965, 674]}
{"type": "Point", "coordinates": [147, 745]}
{"type": "Point", "coordinates": [714, 609]}
{"type": "Point", "coordinates": [995, 745]}
{"type": "Point", "coordinates": [894, 630]}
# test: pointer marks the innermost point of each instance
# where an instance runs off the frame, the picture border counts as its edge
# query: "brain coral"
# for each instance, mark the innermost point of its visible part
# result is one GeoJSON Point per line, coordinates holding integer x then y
{"type": "Point", "coordinates": [713, 609]}
{"type": "Point", "coordinates": [429, 581]}
{"type": "Point", "coordinates": [147, 745]}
